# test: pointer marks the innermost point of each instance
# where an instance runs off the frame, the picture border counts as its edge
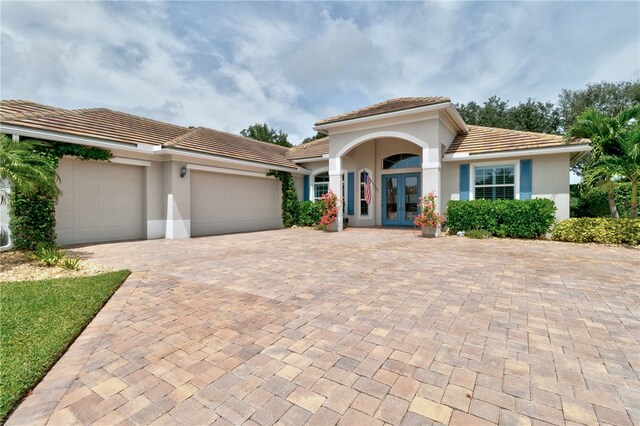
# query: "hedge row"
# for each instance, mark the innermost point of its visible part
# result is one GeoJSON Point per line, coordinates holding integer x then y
{"type": "Point", "coordinates": [603, 230]}
{"type": "Point", "coordinates": [503, 218]}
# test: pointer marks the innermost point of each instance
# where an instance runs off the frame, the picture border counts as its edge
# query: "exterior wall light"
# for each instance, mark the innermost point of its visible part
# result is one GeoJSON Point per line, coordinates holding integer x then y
{"type": "Point", "coordinates": [183, 171]}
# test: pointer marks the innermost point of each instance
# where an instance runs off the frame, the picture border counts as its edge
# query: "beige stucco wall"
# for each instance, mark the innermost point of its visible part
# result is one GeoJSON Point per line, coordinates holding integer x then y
{"type": "Point", "coordinates": [550, 179]}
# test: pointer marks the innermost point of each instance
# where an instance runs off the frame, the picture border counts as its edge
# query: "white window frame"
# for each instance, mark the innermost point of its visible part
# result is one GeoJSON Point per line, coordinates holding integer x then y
{"type": "Point", "coordinates": [312, 185]}
{"type": "Point", "coordinates": [369, 215]}
{"type": "Point", "coordinates": [516, 180]}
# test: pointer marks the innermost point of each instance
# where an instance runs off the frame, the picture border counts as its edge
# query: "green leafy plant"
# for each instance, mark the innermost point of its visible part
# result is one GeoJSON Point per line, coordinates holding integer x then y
{"type": "Point", "coordinates": [33, 206]}
{"type": "Point", "coordinates": [602, 230]}
{"type": "Point", "coordinates": [503, 218]}
{"type": "Point", "coordinates": [71, 263]}
{"type": "Point", "coordinates": [478, 234]}
{"type": "Point", "coordinates": [290, 203]}
{"type": "Point", "coordinates": [310, 213]}
{"type": "Point", "coordinates": [48, 254]}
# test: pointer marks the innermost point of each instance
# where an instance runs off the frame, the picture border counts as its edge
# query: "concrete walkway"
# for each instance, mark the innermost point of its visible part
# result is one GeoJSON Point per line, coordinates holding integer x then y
{"type": "Point", "coordinates": [365, 327]}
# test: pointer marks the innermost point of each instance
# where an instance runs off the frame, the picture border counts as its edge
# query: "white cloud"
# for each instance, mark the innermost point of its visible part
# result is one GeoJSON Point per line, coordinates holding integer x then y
{"type": "Point", "coordinates": [227, 65]}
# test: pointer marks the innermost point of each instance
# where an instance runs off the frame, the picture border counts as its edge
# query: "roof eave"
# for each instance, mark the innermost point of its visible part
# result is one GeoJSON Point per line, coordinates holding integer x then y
{"type": "Point", "coordinates": [404, 112]}
{"type": "Point", "coordinates": [139, 148]}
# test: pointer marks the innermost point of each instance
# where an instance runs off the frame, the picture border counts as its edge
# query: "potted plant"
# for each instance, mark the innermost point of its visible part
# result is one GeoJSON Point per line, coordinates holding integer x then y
{"type": "Point", "coordinates": [428, 219]}
{"type": "Point", "coordinates": [330, 212]}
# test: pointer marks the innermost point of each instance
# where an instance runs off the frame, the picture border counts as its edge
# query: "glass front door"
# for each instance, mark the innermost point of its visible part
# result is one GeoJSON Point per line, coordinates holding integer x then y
{"type": "Point", "coordinates": [400, 199]}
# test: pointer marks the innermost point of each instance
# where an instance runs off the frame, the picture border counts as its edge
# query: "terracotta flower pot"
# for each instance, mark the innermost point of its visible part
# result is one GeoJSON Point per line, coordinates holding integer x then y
{"type": "Point", "coordinates": [333, 227]}
{"type": "Point", "coordinates": [429, 231]}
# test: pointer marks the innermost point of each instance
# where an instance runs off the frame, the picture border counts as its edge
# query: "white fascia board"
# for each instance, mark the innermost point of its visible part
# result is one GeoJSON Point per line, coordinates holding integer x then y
{"type": "Point", "coordinates": [309, 160]}
{"type": "Point", "coordinates": [61, 137]}
{"type": "Point", "coordinates": [192, 154]}
{"type": "Point", "coordinates": [227, 171]}
{"type": "Point", "coordinates": [143, 148]}
{"type": "Point", "coordinates": [465, 156]}
{"type": "Point", "coordinates": [130, 161]}
{"type": "Point", "coordinates": [457, 118]}
{"type": "Point", "coordinates": [392, 114]}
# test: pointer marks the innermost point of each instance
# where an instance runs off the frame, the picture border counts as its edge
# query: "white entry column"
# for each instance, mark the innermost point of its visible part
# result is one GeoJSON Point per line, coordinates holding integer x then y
{"type": "Point", "coordinates": [335, 185]}
{"type": "Point", "coordinates": [431, 171]}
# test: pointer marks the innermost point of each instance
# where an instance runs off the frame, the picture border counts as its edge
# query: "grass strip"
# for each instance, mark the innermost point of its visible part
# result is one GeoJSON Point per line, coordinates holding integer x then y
{"type": "Point", "coordinates": [38, 322]}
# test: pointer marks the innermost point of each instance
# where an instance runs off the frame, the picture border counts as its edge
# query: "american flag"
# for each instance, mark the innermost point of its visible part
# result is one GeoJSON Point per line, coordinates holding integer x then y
{"type": "Point", "coordinates": [367, 189]}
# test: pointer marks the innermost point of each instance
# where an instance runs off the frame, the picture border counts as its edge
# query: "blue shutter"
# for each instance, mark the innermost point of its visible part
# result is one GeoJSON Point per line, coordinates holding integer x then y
{"type": "Point", "coordinates": [350, 191]}
{"type": "Point", "coordinates": [465, 170]}
{"type": "Point", "coordinates": [306, 188]}
{"type": "Point", "coordinates": [526, 185]}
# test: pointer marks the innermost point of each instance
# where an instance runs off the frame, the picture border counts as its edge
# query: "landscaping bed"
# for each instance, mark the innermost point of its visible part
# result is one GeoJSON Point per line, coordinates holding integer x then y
{"type": "Point", "coordinates": [40, 319]}
{"type": "Point", "coordinates": [22, 266]}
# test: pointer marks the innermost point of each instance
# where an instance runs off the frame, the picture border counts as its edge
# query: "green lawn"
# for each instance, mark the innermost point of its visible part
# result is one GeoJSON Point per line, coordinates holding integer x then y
{"type": "Point", "coordinates": [38, 322]}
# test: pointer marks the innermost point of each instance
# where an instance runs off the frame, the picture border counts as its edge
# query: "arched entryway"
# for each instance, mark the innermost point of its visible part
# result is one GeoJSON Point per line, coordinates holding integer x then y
{"type": "Point", "coordinates": [398, 167]}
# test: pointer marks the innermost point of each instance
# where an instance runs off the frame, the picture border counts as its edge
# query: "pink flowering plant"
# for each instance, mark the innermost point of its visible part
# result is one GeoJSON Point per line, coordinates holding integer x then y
{"type": "Point", "coordinates": [330, 209]}
{"type": "Point", "coordinates": [428, 215]}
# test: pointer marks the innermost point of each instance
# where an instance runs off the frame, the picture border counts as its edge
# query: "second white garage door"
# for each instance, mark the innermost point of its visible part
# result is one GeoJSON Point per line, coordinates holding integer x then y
{"type": "Point", "coordinates": [224, 203]}
{"type": "Point", "coordinates": [100, 201]}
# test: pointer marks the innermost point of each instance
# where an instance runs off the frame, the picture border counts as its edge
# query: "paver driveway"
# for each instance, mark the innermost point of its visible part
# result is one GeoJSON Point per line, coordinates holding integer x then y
{"type": "Point", "coordinates": [362, 327]}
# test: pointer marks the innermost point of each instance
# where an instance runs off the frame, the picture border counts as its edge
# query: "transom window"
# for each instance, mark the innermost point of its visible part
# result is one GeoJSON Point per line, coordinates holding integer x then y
{"type": "Point", "coordinates": [495, 183]}
{"type": "Point", "coordinates": [320, 185]}
{"type": "Point", "coordinates": [401, 161]}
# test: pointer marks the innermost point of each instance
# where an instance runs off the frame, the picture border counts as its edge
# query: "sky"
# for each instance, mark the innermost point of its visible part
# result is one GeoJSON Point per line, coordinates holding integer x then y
{"type": "Point", "coordinates": [227, 65]}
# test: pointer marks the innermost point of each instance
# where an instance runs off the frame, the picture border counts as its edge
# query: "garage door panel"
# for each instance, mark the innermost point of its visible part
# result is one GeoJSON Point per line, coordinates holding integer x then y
{"type": "Point", "coordinates": [100, 202]}
{"type": "Point", "coordinates": [222, 203]}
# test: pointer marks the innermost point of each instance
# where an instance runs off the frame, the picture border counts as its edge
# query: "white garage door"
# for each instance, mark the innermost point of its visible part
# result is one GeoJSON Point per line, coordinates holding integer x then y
{"type": "Point", "coordinates": [100, 202]}
{"type": "Point", "coordinates": [223, 203]}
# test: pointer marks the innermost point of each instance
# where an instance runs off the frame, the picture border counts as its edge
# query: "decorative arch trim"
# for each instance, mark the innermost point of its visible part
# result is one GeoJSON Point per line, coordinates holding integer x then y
{"type": "Point", "coordinates": [383, 134]}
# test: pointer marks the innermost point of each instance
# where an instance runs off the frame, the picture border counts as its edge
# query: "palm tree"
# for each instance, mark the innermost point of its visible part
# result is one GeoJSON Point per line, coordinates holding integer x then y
{"type": "Point", "coordinates": [606, 134]}
{"type": "Point", "coordinates": [626, 164]}
{"type": "Point", "coordinates": [25, 169]}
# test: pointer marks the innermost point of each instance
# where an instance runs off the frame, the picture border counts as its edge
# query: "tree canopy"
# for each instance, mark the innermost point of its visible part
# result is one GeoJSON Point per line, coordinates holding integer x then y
{"type": "Point", "coordinates": [530, 116]}
{"type": "Point", "coordinates": [317, 136]}
{"type": "Point", "coordinates": [263, 132]}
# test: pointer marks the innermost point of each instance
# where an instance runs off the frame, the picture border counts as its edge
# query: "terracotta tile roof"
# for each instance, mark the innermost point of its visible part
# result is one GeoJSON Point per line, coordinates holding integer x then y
{"type": "Point", "coordinates": [118, 126]}
{"type": "Point", "coordinates": [20, 109]}
{"type": "Point", "coordinates": [202, 139]}
{"type": "Point", "coordinates": [313, 149]}
{"type": "Point", "coordinates": [480, 140]}
{"type": "Point", "coordinates": [397, 104]}
{"type": "Point", "coordinates": [100, 123]}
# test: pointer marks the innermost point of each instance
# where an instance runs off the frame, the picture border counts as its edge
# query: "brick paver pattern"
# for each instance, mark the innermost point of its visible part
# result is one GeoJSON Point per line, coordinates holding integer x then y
{"type": "Point", "coordinates": [363, 327]}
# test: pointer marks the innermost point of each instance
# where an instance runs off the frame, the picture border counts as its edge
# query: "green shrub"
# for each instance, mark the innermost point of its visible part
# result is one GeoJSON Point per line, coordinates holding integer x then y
{"type": "Point", "coordinates": [71, 263]}
{"type": "Point", "coordinates": [602, 230]}
{"type": "Point", "coordinates": [32, 219]}
{"type": "Point", "coordinates": [310, 213]}
{"type": "Point", "coordinates": [595, 202]}
{"type": "Point", "coordinates": [478, 234]}
{"type": "Point", "coordinates": [503, 218]}
{"type": "Point", "coordinates": [48, 255]}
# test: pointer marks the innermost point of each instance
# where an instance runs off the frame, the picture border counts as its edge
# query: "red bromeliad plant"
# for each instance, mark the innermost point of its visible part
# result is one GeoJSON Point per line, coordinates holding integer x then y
{"type": "Point", "coordinates": [330, 211]}
{"type": "Point", "coordinates": [428, 215]}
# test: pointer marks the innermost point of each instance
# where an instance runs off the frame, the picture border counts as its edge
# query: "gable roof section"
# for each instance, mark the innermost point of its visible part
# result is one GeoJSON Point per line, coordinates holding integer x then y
{"type": "Point", "coordinates": [209, 141]}
{"type": "Point", "coordinates": [482, 140]}
{"type": "Point", "coordinates": [115, 126]}
{"type": "Point", "coordinates": [391, 105]}
{"type": "Point", "coordinates": [313, 149]}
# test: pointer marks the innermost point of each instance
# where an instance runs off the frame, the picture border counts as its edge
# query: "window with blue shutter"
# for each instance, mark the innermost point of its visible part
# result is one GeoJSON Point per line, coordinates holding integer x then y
{"type": "Point", "coordinates": [464, 181]}
{"type": "Point", "coordinates": [306, 188]}
{"type": "Point", "coordinates": [526, 182]}
{"type": "Point", "coordinates": [351, 193]}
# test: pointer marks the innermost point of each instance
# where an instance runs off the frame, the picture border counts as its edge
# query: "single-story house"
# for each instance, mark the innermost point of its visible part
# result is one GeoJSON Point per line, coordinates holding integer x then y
{"type": "Point", "coordinates": [169, 181]}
